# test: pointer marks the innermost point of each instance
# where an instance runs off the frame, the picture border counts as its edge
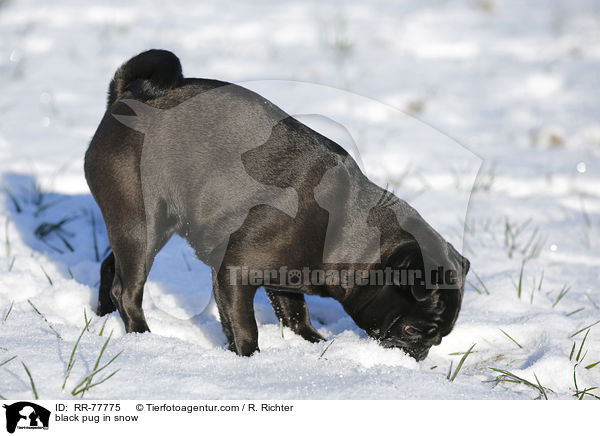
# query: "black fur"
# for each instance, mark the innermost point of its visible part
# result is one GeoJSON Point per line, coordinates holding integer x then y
{"type": "Point", "coordinates": [171, 168]}
{"type": "Point", "coordinates": [148, 75]}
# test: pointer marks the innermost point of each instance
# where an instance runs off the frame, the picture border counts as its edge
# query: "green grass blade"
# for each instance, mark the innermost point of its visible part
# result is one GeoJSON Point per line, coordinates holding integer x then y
{"type": "Point", "coordinates": [326, 348]}
{"type": "Point", "coordinates": [71, 363]}
{"type": "Point", "coordinates": [100, 356]}
{"type": "Point", "coordinates": [481, 282]}
{"type": "Point", "coordinates": [592, 301]}
{"type": "Point", "coordinates": [564, 291]}
{"type": "Point", "coordinates": [520, 285]}
{"type": "Point", "coordinates": [460, 364]}
{"type": "Point", "coordinates": [88, 387]}
{"type": "Point", "coordinates": [35, 394]}
{"type": "Point", "coordinates": [585, 328]}
{"type": "Point", "coordinates": [44, 318]}
{"type": "Point", "coordinates": [575, 311]}
{"type": "Point", "coordinates": [475, 288]}
{"type": "Point", "coordinates": [540, 386]}
{"type": "Point", "coordinates": [509, 337]}
{"type": "Point", "coordinates": [9, 310]}
{"type": "Point", "coordinates": [8, 250]}
{"type": "Point", "coordinates": [47, 276]}
{"type": "Point", "coordinates": [103, 325]}
{"type": "Point", "coordinates": [93, 373]}
{"type": "Point", "coordinates": [592, 365]}
{"type": "Point", "coordinates": [581, 347]}
{"type": "Point", "coordinates": [518, 379]}
{"type": "Point", "coordinates": [6, 361]}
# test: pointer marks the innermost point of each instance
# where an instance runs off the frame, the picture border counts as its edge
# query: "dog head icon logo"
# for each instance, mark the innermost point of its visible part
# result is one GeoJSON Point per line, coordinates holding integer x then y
{"type": "Point", "coordinates": [26, 415]}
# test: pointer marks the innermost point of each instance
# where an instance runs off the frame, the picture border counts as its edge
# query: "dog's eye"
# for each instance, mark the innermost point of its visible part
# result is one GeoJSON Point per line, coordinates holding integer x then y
{"type": "Point", "coordinates": [411, 331]}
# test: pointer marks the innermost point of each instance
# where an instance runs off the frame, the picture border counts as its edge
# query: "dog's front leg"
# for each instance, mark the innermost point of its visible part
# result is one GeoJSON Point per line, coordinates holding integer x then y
{"type": "Point", "coordinates": [236, 310]}
{"type": "Point", "coordinates": [292, 310]}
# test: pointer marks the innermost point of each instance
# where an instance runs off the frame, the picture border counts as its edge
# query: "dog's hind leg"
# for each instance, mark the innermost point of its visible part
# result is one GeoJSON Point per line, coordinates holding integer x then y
{"type": "Point", "coordinates": [131, 272]}
{"type": "Point", "coordinates": [107, 275]}
{"type": "Point", "coordinates": [134, 251]}
{"type": "Point", "coordinates": [291, 309]}
{"type": "Point", "coordinates": [135, 238]}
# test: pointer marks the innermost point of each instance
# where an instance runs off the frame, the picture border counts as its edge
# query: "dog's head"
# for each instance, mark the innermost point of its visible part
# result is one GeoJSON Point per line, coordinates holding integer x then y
{"type": "Point", "coordinates": [415, 326]}
{"type": "Point", "coordinates": [419, 308]}
{"type": "Point", "coordinates": [408, 316]}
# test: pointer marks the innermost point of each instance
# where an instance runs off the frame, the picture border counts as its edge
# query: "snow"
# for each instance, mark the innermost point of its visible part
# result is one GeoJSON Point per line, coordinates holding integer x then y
{"type": "Point", "coordinates": [432, 98]}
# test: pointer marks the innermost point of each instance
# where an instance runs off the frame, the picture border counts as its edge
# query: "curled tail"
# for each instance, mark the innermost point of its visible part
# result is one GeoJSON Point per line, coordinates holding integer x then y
{"type": "Point", "coordinates": [147, 75]}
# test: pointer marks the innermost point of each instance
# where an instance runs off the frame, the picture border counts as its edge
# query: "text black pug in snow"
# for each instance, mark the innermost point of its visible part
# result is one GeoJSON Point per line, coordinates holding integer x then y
{"type": "Point", "coordinates": [252, 188]}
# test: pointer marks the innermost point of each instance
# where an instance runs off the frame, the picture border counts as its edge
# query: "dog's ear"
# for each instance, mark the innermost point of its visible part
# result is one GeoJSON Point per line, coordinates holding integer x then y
{"type": "Point", "coordinates": [452, 302]}
{"type": "Point", "coordinates": [421, 292]}
{"type": "Point", "coordinates": [408, 259]}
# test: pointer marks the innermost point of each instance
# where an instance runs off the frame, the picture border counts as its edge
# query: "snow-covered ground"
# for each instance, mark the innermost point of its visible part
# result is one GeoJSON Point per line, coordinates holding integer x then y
{"type": "Point", "coordinates": [506, 88]}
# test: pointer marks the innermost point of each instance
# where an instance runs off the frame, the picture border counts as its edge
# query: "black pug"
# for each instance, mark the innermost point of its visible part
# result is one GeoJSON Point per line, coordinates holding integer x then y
{"type": "Point", "coordinates": [264, 201]}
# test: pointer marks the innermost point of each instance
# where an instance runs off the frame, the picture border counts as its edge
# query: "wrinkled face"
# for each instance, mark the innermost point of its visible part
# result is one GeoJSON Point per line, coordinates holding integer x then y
{"type": "Point", "coordinates": [418, 326]}
{"type": "Point", "coordinates": [396, 318]}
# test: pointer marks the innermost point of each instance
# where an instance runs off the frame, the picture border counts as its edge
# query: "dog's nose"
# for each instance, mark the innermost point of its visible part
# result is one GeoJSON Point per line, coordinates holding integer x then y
{"type": "Point", "coordinates": [420, 354]}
